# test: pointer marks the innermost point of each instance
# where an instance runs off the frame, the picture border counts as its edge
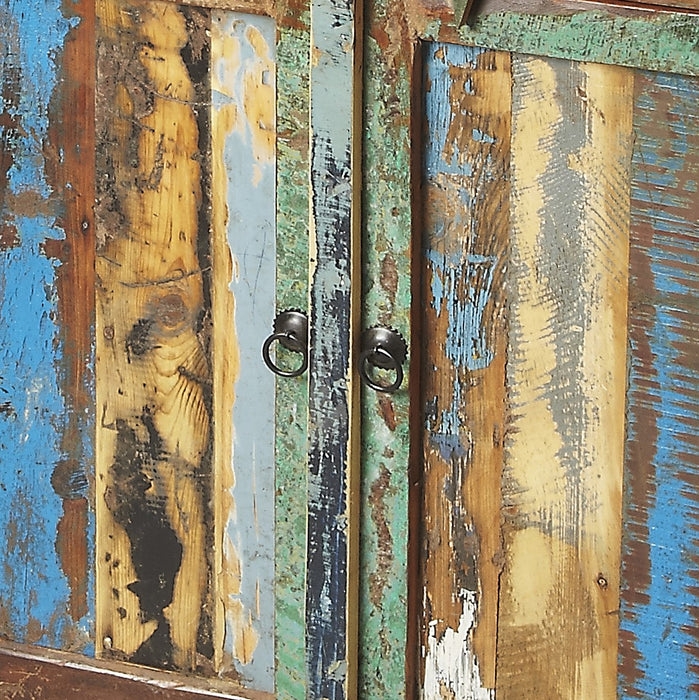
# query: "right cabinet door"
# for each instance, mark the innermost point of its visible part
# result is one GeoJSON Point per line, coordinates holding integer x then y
{"type": "Point", "coordinates": [559, 548]}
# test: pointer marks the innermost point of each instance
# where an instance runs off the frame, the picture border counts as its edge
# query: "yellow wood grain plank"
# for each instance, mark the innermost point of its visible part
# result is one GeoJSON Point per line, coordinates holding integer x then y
{"type": "Point", "coordinates": [571, 147]}
{"type": "Point", "coordinates": [153, 376]}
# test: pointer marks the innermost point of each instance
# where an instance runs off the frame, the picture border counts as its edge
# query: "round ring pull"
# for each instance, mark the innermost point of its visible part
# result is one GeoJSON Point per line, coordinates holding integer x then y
{"type": "Point", "coordinates": [291, 332]}
{"type": "Point", "coordinates": [383, 349]}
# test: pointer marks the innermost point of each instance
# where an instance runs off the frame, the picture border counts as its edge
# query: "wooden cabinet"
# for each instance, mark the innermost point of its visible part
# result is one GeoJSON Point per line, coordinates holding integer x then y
{"type": "Point", "coordinates": [515, 192]}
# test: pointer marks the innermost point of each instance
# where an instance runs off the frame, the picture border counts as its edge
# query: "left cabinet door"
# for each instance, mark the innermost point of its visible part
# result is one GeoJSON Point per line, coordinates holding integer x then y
{"type": "Point", "coordinates": [145, 484]}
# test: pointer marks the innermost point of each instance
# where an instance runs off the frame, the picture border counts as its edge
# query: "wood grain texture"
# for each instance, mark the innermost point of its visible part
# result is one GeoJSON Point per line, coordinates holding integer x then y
{"type": "Point", "coordinates": [243, 295]}
{"type": "Point", "coordinates": [387, 276]}
{"type": "Point", "coordinates": [153, 370]}
{"type": "Point", "coordinates": [467, 157]}
{"type": "Point", "coordinates": [331, 583]}
{"type": "Point", "coordinates": [46, 252]}
{"type": "Point", "coordinates": [660, 566]}
{"type": "Point", "coordinates": [571, 139]}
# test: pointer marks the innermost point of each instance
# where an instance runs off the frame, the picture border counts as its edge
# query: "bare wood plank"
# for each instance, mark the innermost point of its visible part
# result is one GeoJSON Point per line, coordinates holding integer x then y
{"type": "Point", "coordinates": [660, 563]}
{"type": "Point", "coordinates": [557, 634]}
{"type": "Point", "coordinates": [153, 376]}
{"type": "Point", "coordinates": [465, 338]}
{"type": "Point", "coordinates": [243, 296]}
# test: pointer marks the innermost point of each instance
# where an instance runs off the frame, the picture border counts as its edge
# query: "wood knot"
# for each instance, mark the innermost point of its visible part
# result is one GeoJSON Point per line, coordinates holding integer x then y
{"type": "Point", "coordinates": [172, 311]}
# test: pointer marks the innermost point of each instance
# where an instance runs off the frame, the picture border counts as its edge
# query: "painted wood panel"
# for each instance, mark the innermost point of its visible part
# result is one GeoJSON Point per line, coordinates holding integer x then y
{"type": "Point", "coordinates": [660, 566]}
{"type": "Point", "coordinates": [292, 291]}
{"type": "Point", "coordinates": [243, 296]}
{"type": "Point", "coordinates": [332, 562]}
{"type": "Point", "coordinates": [387, 279]}
{"type": "Point", "coordinates": [46, 253]}
{"type": "Point", "coordinates": [465, 247]}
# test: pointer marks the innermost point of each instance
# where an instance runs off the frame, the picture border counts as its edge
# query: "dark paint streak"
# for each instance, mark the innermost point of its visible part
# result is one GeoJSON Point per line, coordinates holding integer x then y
{"type": "Point", "coordinates": [326, 603]}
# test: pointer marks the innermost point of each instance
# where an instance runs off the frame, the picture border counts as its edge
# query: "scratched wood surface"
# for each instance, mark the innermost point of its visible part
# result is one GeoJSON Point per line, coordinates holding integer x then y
{"type": "Point", "coordinates": [332, 581]}
{"type": "Point", "coordinates": [467, 156]}
{"type": "Point", "coordinates": [46, 312]}
{"type": "Point", "coordinates": [660, 565]}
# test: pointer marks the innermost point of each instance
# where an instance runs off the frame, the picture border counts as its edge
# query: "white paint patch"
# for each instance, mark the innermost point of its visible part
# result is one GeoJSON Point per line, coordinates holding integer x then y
{"type": "Point", "coordinates": [451, 666]}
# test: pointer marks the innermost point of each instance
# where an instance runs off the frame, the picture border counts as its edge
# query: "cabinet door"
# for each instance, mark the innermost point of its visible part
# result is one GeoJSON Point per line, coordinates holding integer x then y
{"type": "Point", "coordinates": [159, 503]}
{"type": "Point", "coordinates": [560, 264]}
{"type": "Point", "coordinates": [556, 212]}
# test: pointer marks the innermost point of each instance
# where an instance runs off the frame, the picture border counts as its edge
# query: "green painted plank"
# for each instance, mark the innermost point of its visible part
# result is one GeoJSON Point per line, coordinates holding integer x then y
{"type": "Point", "coordinates": [387, 274]}
{"type": "Point", "coordinates": [665, 42]}
{"type": "Point", "coordinates": [291, 441]}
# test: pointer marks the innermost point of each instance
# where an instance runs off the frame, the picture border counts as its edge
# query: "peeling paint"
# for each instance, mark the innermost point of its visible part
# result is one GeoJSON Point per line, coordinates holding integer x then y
{"type": "Point", "coordinates": [451, 667]}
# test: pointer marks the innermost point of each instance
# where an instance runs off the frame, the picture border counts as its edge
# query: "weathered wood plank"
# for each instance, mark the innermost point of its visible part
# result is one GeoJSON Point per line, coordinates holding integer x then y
{"type": "Point", "coordinates": [292, 290]}
{"type": "Point", "coordinates": [657, 42]}
{"type": "Point", "coordinates": [332, 563]}
{"type": "Point", "coordinates": [243, 296]}
{"type": "Point", "coordinates": [45, 336]}
{"type": "Point", "coordinates": [387, 276]}
{"type": "Point", "coordinates": [153, 374]}
{"type": "Point", "coordinates": [571, 139]}
{"type": "Point", "coordinates": [467, 157]}
{"type": "Point", "coordinates": [659, 632]}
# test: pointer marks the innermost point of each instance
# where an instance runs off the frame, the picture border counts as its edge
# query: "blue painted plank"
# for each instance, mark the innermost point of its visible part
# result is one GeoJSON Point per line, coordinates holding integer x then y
{"type": "Point", "coordinates": [43, 479]}
{"type": "Point", "coordinates": [659, 629]}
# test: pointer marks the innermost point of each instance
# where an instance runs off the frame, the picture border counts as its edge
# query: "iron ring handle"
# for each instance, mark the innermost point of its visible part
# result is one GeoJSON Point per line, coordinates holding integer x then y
{"type": "Point", "coordinates": [380, 357]}
{"type": "Point", "coordinates": [291, 342]}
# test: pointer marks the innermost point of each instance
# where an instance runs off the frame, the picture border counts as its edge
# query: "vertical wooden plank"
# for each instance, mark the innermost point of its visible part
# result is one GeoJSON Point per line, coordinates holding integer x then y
{"type": "Point", "coordinates": [332, 565]}
{"type": "Point", "coordinates": [467, 155]}
{"type": "Point", "coordinates": [291, 434]}
{"type": "Point", "coordinates": [387, 279]}
{"type": "Point", "coordinates": [571, 140]}
{"type": "Point", "coordinates": [153, 325]}
{"type": "Point", "coordinates": [45, 334]}
{"type": "Point", "coordinates": [243, 296]}
{"type": "Point", "coordinates": [659, 632]}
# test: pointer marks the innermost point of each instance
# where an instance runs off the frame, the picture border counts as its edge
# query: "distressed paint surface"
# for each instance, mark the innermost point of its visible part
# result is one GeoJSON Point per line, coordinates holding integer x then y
{"type": "Point", "coordinates": [467, 156]}
{"type": "Point", "coordinates": [243, 148]}
{"type": "Point", "coordinates": [571, 139]}
{"type": "Point", "coordinates": [659, 621]}
{"type": "Point", "coordinates": [660, 42]}
{"type": "Point", "coordinates": [292, 289]}
{"type": "Point", "coordinates": [45, 419]}
{"type": "Point", "coordinates": [331, 565]}
{"type": "Point", "coordinates": [386, 292]}
{"type": "Point", "coordinates": [153, 323]}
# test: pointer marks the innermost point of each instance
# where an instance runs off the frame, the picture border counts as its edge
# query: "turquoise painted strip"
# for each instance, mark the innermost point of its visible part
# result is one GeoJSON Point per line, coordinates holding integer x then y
{"type": "Point", "coordinates": [34, 593]}
{"type": "Point", "coordinates": [659, 618]}
{"type": "Point", "coordinates": [663, 42]}
{"type": "Point", "coordinates": [251, 216]}
{"type": "Point", "coordinates": [291, 437]}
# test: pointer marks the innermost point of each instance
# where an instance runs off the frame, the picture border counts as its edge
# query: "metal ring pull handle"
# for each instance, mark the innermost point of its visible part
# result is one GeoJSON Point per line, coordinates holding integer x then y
{"type": "Point", "coordinates": [291, 332]}
{"type": "Point", "coordinates": [383, 348]}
